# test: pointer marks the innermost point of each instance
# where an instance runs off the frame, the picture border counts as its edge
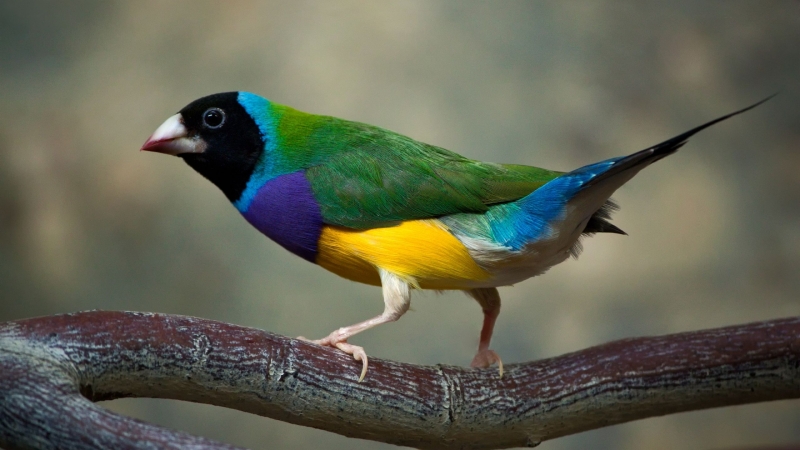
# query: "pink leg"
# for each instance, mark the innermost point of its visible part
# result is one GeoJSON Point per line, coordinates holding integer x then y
{"type": "Point", "coordinates": [338, 338]}
{"type": "Point", "coordinates": [396, 299]}
{"type": "Point", "coordinates": [489, 299]}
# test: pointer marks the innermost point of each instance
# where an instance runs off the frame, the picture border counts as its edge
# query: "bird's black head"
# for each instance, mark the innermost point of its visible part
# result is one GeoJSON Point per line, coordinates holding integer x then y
{"type": "Point", "coordinates": [217, 137]}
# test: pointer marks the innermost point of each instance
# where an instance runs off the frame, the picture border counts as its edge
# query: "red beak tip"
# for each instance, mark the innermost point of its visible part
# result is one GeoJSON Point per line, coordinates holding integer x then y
{"type": "Point", "coordinates": [149, 144]}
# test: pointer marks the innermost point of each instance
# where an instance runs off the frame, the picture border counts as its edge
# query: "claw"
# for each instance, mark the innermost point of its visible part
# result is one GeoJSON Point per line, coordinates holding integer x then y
{"type": "Point", "coordinates": [486, 358]}
{"type": "Point", "coordinates": [357, 352]}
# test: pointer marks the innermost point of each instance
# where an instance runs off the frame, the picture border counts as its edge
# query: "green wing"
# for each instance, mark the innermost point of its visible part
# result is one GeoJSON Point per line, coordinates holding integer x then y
{"type": "Point", "coordinates": [381, 178]}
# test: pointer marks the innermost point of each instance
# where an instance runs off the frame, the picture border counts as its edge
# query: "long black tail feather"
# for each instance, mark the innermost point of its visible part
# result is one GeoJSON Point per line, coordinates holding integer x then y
{"type": "Point", "coordinates": [599, 222]}
{"type": "Point", "coordinates": [666, 148]}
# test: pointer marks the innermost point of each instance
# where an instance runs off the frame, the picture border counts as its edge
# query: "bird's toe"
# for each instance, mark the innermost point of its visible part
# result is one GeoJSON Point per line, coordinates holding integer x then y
{"type": "Point", "coordinates": [358, 354]}
{"type": "Point", "coordinates": [356, 351]}
{"type": "Point", "coordinates": [325, 342]}
{"type": "Point", "coordinates": [485, 358]}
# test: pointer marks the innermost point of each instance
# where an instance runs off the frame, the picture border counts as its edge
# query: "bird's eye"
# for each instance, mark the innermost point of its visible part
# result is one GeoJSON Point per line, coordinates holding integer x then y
{"type": "Point", "coordinates": [213, 118]}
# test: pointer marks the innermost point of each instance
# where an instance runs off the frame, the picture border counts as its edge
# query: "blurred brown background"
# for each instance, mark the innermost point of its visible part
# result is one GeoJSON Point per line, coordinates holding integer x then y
{"type": "Point", "coordinates": [87, 221]}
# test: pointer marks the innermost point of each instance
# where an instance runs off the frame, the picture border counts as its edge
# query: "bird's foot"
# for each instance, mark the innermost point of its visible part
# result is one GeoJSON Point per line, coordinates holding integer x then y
{"type": "Point", "coordinates": [334, 340]}
{"type": "Point", "coordinates": [485, 358]}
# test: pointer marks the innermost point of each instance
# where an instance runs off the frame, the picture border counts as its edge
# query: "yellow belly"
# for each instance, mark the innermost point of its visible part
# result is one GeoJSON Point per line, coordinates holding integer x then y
{"type": "Point", "coordinates": [422, 252]}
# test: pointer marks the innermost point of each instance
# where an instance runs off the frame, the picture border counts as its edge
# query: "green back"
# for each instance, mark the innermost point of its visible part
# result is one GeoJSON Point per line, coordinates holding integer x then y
{"type": "Point", "coordinates": [364, 176]}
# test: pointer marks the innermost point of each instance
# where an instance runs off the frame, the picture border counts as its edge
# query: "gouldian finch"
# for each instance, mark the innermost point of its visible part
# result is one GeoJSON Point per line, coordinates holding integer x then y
{"type": "Point", "coordinates": [380, 208]}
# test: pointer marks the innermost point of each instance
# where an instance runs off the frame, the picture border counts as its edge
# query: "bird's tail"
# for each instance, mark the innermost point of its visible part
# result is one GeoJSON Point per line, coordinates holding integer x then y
{"type": "Point", "coordinates": [578, 201]}
{"type": "Point", "coordinates": [652, 154]}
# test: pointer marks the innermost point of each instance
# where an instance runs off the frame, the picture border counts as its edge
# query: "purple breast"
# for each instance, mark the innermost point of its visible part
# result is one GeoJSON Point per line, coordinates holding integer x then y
{"type": "Point", "coordinates": [285, 210]}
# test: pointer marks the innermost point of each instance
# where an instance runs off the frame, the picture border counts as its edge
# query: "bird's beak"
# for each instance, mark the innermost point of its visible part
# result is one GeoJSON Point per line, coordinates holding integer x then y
{"type": "Point", "coordinates": [172, 138]}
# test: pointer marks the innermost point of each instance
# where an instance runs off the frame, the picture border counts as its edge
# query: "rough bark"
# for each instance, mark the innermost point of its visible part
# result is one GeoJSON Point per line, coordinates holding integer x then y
{"type": "Point", "coordinates": [53, 368]}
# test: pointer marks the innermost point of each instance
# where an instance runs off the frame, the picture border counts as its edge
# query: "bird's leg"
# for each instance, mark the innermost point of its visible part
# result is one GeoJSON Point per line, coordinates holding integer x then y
{"type": "Point", "coordinates": [396, 299]}
{"type": "Point", "coordinates": [489, 299]}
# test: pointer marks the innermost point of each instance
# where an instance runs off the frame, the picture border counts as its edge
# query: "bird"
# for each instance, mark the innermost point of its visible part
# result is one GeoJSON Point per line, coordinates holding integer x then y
{"type": "Point", "coordinates": [380, 208]}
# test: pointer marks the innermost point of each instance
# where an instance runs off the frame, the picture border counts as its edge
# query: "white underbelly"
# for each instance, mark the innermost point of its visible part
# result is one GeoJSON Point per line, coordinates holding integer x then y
{"type": "Point", "coordinates": [508, 266]}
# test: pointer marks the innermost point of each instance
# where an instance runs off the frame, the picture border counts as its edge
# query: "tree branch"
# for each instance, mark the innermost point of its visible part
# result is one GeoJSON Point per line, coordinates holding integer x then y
{"type": "Point", "coordinates": [52, 368]}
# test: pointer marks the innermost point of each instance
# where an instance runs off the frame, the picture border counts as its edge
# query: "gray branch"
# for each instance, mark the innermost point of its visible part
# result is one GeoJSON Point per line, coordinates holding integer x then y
{"type": "Point", "coordinates": [53, 368]}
